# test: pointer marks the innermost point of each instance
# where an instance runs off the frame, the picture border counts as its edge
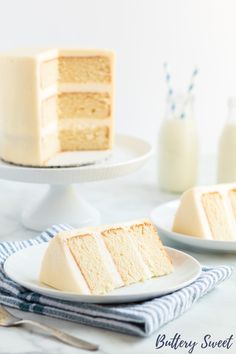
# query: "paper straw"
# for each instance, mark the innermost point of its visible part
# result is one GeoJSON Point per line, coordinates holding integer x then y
{"type": "Point", "coordinates": [190, 89]}
{"type": "Point", "coordinates": [168, 79]}
{"type": "Point", "coordinates": [192, 80]}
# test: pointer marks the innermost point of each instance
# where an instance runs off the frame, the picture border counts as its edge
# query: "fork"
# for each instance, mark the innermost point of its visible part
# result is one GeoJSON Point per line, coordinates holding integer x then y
{"type": "Point", "coordinates": [8, 320]}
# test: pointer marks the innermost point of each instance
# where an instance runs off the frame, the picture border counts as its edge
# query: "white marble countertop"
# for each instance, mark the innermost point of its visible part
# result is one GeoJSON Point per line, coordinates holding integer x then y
{"type": "Point", "coordinates": [135, 196]}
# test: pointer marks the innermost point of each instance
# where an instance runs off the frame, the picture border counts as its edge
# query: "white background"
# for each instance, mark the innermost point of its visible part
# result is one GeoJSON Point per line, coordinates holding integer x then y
{"type": "Point", "coordinates": [144, 34]}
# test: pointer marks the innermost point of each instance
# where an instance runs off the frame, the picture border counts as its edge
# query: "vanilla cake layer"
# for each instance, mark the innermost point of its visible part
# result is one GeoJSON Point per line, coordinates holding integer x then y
{"type": "Point", "coordinates": [38, 83]}
{"type": "Point", "coordinates": [151, 248]}
{"type": "Point", "coordinates": [84, 138]}
{"type": "Point", "coordinates": [85, 69]}
{"type": "Point", "coordinates": [85, 134]}
{"type": "Point", "coordinates": [128, 260]}
{"type": "Point", "coordinates": [84, 105]}
{"type": "Point", "coordinates": [207, 212]}
{"type": "Point", "coordinates": [217, 217]}
{"type": "Point", "coordinates": [90, 69]}
{"type": "Point", "coordinates": [100, 274]}
{"type": "Point", "coordinates": [105, 257]}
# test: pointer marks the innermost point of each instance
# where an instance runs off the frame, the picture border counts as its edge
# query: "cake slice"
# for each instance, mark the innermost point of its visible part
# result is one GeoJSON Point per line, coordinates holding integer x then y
{"type": "Point", "coordinates": [208, 212]}
{"type": "Point", "coordinates": [96, 260]}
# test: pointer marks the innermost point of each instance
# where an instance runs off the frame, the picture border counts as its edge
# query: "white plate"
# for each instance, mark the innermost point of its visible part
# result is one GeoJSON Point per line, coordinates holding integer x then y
{"type": "Point", "coordinates": [163, 218]}
{"type": "Point", "coordinates": [23, 267]}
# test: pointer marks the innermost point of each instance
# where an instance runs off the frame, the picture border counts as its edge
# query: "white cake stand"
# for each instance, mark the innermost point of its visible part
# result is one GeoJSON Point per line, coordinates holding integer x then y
{"type": "Point", "coordinates": [61, 203]}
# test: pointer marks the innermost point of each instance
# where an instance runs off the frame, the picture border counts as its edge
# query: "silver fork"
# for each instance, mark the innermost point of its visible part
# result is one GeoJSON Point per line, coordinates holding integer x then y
{"type": "Point", "coordinates": [8, 320]}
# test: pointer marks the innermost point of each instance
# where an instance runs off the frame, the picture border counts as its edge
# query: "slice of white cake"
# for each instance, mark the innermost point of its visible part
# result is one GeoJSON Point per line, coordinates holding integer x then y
{"type": "Point", "coordinates": [96, 260]}
{"type": "Point", "coordinates": [208, 212]}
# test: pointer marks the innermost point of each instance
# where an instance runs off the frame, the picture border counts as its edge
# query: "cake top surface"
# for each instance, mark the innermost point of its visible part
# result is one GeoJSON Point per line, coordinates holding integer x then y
{"type": "Point", "coordinates": [41, 52]}
{"type": "Point", "coordinates": [224, 187]}
{"type": "Point", "coordinates": [27, 52]}
{"type": "Point", "coordinates": [95, 230]}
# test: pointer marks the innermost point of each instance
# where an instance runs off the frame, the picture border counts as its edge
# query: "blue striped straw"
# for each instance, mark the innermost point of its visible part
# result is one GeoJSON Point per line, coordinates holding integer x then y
{"type": "Point", "coordinates": [192, 81]}
{"type": "Point", "coordinates": [190, 88]}
{"type": "Point", "coordinates": [168, 79]}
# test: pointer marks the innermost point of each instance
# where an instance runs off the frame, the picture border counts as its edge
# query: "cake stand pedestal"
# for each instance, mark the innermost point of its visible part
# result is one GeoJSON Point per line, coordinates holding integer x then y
{"type": "Point", "coordinates": [62, 204]}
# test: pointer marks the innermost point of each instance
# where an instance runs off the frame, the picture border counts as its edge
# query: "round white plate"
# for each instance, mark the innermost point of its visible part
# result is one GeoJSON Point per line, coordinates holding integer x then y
{"type": "Point", "coordinates": [24, 266]}
{"type": "Point", "coordinates": [129, 154]}
{"type": "Point", "coordinates": [163, 218]}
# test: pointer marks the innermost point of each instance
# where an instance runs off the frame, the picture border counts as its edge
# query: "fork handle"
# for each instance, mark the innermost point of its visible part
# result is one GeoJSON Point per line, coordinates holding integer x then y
{"type": "Point", "coordinates": [62, 336]}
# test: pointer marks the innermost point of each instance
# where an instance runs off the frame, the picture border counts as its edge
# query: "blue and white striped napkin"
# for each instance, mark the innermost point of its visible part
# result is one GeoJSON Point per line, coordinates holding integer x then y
{"type": "Point", "coordinates": [140, 319]}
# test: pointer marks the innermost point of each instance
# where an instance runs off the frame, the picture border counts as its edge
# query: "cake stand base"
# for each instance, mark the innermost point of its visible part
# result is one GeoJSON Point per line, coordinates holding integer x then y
{"type": "Point", "coordinates": [60, 202]}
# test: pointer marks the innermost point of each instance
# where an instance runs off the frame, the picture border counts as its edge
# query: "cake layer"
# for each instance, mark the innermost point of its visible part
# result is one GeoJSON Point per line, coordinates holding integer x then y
{"type": "Point", "coordinates": [85, 138]}
{"type": "Point", "coordinates": [151, 248]}
{"type": "Point", "coordinates": [91, 87]}
{"type": "Point", "coordinates": [95, 263]}
{"type": "Point", "coordinates": [128, 260]}
{"type": "Point", "coordinates": [84, 105]}
{"type": "Point", "coordinates": [83, 69]}
{"type": "Point", "coordinates": [216, 214]}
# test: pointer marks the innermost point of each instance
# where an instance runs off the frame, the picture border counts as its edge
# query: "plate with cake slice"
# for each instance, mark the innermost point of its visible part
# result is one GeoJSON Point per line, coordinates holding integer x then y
{"type": "Point", "coordinates": [118, 263]}
{"type": "Point", "coordinates": [203, 218]}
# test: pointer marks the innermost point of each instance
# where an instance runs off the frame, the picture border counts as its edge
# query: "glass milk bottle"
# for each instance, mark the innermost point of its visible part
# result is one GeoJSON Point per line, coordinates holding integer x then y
{"type": "Point", "coordinates": [178, 146]}
{"type": "Point", "coordinates": [227, 147]}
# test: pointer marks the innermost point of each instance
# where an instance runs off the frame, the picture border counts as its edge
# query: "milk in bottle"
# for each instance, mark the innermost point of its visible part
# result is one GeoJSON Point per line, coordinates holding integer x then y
{"type": "Point", "coordinates": [227, 147]}
{"type": "Point", "coordinates": [178, 146]}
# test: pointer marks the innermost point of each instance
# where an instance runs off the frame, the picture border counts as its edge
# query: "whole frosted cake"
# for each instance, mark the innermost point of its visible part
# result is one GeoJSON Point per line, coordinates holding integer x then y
{"type": "Point", "coordinates": [97, 260]}
{"type": "Point", "coordinates": [208, 212]}
{"type": "Point", "coordinates": [54, 100]}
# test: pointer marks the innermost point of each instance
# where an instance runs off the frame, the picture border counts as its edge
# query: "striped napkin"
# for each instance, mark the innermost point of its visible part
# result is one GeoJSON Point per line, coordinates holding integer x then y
{"type": "Point", "coordinates": [140, 319]}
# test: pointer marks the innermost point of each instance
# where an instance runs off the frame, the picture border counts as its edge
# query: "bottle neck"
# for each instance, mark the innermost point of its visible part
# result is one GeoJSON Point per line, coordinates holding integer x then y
{"type": "Point", "coordinates": [179, 107]}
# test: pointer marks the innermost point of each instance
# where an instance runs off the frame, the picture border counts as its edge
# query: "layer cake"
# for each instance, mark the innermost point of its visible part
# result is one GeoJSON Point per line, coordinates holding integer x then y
{"type": "Point", "coordinates": [55, 100]}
